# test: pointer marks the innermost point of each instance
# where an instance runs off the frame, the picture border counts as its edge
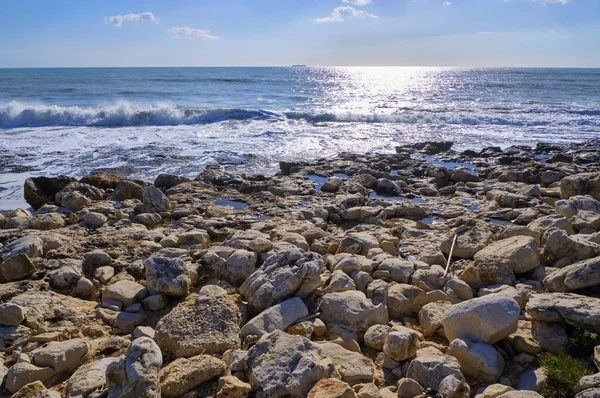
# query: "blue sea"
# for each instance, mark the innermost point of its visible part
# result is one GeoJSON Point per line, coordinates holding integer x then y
{"type": "Point", "coordinates": [144, 121]}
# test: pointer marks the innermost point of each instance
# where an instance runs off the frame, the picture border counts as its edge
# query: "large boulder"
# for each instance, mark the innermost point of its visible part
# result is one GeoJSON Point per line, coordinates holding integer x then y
{"type": "Point", "coordinates": [287, 365]}
{"type": "Point", "coordinates": [478, 360]}
{"type": "Point", "coordinates": [154, 197]}
{"type": "Point", "coordinates": [135, 375]}
{"type": "Point", "coordinates": [468, 242]}
{"type": "Point", "coordinates": [570, 207]}
{"type": "Point", "coordinates": [571, 308]}
{"type": "Point", "coordinates": [440, 372]}
{"type": "Point", "coordinates": [576, 247]}
{"type": "Point", "coordinates": [23, 373]}
{"type": "Point", "coordinates": [228, 264]}
{"type": "Point", "coordinates": [88, 379]}
{"type": "Point", "coordinates": [555, 221]}
{"type": "Point", "coordinates": [575, 276]}
{"type": "Point", "coordinates": [520, 252]}
{"type": "Point", "coordinates": [278, 317]}
{"type": "Point", "coordinates": [207, 323]}
{"type": "Point", "coordinates": [283, 275]}
{"type": "Point", "coordinates": [184, 374]}
{"type": "Point", "coordinates": [39, 191]}
{"type": "Point", "coordinates": [352, 311]}
{"type": "Point", "coordinates": [168, 276]}
{"type": "Point", "coordinates": [487, 319]}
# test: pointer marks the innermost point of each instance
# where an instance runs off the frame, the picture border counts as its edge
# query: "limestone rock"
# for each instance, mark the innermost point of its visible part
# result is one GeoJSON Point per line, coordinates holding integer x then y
{"type": "Point", "coordinates": [184, 374]}
{"type": "Point", "coordinates": [577, 247]}
{"type": "Point", "coordinates": [487, 319]}
{"type": "Point", "coordinates": [431, 315]}
{"type": "Point", "coordinates": [125, 291]}
{"type": "Point", "coordinates": [478, 360]}
{"type": "Point", "coordinates": [24, 373]}
{"type": "Point", "coordinates": [232, 387]}
{"type": "Point", "coordinates": [283, 275]}
{"type": "Point", "coordinates": [440, 372]}
{"type": "Point", "coordinates": [285, 365]}
{"type": "Point", "coordinates": [375, 336]}
{"type": "Point", "coordinates": [467, 244]}
{"type": "Point", "coordinates": [15, 263]}
{"type": "Point", "coordinates": [169, 276]}
{"type": "Point", "coordinates": [331, 388]}
{"type": "Point", "coordinates": [41, 190]}
{"type": "Point", "coordinates": [154, 197]}
{"type": "Point", "coordinates": [351, 310]}
{"type": "Point", "coordinates": [203, 324]}
{"type": "Point", "coordinates": [63, 356]}
{"type": "Point", "coordinates": [280, 317]}
{"type": "Point", "coordinates": [95, 219]}
{"type": "Point", "coordinates": [576, 276]}
{"type": "Point", "coordinates": [11, 314]}
{"type": "Point", "coordinates": [401, 343]}
{"type": "Point", "coordinates": [520, 252]}
{"type": "Point", "coordinates": [136, 374]}
{"type": "Point", "coordinates": [580, 184]}
{"type": "Point", "coordinates": [352, 366]}
{"type": "Point", "coordinates": [574, 309]}
{"type": "Point", "coordinates": [251, 240]}
{"type": "Point", "coordinates": [88, 378]}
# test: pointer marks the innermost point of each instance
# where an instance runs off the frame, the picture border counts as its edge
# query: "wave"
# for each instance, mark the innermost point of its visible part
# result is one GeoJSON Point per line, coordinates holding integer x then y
{"type": "Point", "coordinates": [124, 113]}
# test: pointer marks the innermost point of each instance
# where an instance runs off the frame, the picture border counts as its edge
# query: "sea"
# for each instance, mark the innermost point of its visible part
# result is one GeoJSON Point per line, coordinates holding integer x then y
{"type": "Point", "coordinates": [146, 121]}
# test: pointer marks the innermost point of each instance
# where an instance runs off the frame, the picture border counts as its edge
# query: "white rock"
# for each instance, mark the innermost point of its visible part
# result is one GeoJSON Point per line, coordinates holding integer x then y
{"type": "Point", "coordinates": [478, 360]}
{"type": "Point", "coordinates": [278, 317]}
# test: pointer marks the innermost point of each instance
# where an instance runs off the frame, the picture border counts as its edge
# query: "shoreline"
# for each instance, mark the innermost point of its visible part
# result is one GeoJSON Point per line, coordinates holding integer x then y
{"type": "Point", "coordinates": [411, 266]}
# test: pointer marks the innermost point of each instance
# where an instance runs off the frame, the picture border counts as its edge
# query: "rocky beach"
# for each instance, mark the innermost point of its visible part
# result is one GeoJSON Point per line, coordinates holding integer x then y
{"type": "Point", "coordinates": [427, 272]}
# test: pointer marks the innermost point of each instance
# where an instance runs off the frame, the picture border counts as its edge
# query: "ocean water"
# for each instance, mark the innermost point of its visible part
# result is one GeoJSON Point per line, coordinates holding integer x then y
{"type": "Point", "coordinates": [144, 121]}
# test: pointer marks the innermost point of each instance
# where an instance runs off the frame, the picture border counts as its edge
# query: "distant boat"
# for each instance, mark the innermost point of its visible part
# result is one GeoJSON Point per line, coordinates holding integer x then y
{"type": "Point", "coordinates": [299, 66]}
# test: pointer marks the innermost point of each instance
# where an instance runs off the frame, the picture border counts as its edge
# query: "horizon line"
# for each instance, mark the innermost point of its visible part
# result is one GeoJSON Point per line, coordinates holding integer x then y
{"type": "Point", "coordinates": [303, 65]}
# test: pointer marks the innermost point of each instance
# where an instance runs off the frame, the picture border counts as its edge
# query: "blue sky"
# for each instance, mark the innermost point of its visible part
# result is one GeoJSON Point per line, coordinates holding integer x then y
{"type": "Point", "coordinates": [40, 33]}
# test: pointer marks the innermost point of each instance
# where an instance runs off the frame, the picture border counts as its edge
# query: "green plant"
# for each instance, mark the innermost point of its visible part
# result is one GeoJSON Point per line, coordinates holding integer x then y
{"type": "Point", "coordinates": [583, 341]}
{"type": "Point", "coordinates": [563, 372]}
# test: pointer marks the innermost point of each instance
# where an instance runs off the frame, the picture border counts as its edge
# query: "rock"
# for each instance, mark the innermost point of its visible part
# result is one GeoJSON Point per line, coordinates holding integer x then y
{"type": "Point", "coordinates": [75, 201]}
{"type": "Point", "coordinates": [577, 247]}
{"type": "Point", "coordinates": [84, 287]}
{"type": "Point", "coordinates": [251, 240]}
{"type": "Point", "coordinates": [493, 391]}
{"type": "Point", "coordinates": [11, 314]}
{"type": "Point", "coordinates": [431, 315]}
{"type": "Point", "coordinates": [125, 291]}
{"type": "Point", "coordinates": [409, 388]}
{"type": "Point", "coordinates": [487, 319]}
{"type": "Point", "coordinates": [203, 324]}
{"type": "Point", "coordinates": [332, 185]}
{"type": "Point", "coordinates": [194, 239]}
{"type": "Point", "coordinates": [149, 220]}
{"type": "Point", "coordinates": [352, 366]}
{"type": "Point", "coordinates": [331, 388]}
{"type": "Point", "coordinates": [375, 336]}
{"type": "Point", "coordinates": [15, 263]}
{"type": "Point", "coordinates": [31, 390]}
{"type": "Point", "coordinates": [233, 266]}
{"type": "Point", "coordinates": [352, 311]}
{"type": "Point", "coordinates": [154, 197]}
{"type": "Point", "coordinates": [576, 276]}
{"type": "Point", "coordinates": [165, 181]}
{"type": "Point", "coordinates": [283, 275]}
{"type": "Point", "coordinates": [93, 260]}
{"type": "Point", "coordinates": [184, 374]}
{"type": "Point", "coordinates": [357, 242]}
{"type": "Point", "coordinates": [46, 222]}
{"type": "Point", "coordinates": [478, 360]}
{"type": "Point", "coordinates": [232, 387]}
{"type": "Point", "coordinates": [95, 219]}
{"type": "Point", "coordinates": [401, 343]}
{"type": "Point", "coordinates": [104, 274]}
{"type": "Point", "coordinates": [543, 224]}
{"type": "Point", "coordinates": [102, 180]}
{"type": "Point", "coordinates": [574, 309]}
{"type": "Point", "coordinates": [482, 274]}
{"type": "Point", "coordinates": [143, 331]}
{"type": "Point", "coordinates": [520, 252]}
{"type": "Point", "coordinates": [41, 190]}
{"type": "Point", "coordinates": [168, 276]}
{"type": "Point", "coordinates": [469, 242]}
{"type": "Point", "coordinates": [127, 189]}
{"type": "Point", "coordinates": [550, 336]}
{"type": "Point", "coordinates": [440, 372]}
{"type": "Point", "coordinates": [155, 302]}
{"type": "Point", "coordinates": [521, 394]}
{"type": "Point", "coordinates": [395, 269]}
{"type": "Point", "coordinates": [570, 207]}
{"type": "Point", "coordinates": [285, 365]}
{"type": "Point", "coordinates": [580, 184]}
{"type": "Point", "coordinates": [88, 379]}
{"type": "Point", "coordinates": [24, 373]}
{"type": "Point", "coordinates": [532, 379]}
{"type": "Point", "coordinates": [136, 374]}
{"type": "Point", "coordinates": [63, 356]}
{"type": "Point", "coordinates": [278, 317]}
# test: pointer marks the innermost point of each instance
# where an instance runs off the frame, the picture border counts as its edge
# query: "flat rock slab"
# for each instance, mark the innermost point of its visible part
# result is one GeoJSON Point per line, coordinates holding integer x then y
{"type": "Point", "coordinates": [575, 276]}
{"type": "Point", "coordinates": [574, 309]}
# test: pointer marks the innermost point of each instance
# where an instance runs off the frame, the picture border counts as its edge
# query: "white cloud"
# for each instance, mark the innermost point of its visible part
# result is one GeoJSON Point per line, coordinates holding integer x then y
{"type": "Point", "coordinates": [118, 20]}
{"type": "Point", "coordinates": [357, 2]}
{"type": "Point", "coordinates": [340, 14]}
{"type": "Point", "coordinates": [191, 32]}
{"type": "Point", "coordinates": [446, 4]}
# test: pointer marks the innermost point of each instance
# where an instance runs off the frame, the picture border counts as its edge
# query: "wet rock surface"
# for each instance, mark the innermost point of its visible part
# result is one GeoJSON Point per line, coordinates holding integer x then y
{"type": "Point", "coordinates": [426, 272]}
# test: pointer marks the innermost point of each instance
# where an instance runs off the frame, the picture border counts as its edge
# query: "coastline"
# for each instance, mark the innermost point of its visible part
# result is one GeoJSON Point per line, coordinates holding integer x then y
{"type": "Point", "coordinates": [348, 255]}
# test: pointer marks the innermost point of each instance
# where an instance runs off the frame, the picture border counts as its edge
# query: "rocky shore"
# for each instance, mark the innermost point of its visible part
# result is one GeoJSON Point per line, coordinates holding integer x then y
{"type": "Point", "coordinates": [423, 273]}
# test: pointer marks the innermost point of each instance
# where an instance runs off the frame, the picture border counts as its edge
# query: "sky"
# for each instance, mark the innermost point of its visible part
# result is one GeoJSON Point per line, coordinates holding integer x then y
{"type": "Point", "coordinates": [71, 33]}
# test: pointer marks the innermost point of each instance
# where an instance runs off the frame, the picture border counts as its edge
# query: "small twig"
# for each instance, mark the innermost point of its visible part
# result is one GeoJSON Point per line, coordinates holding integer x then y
{"type": "Point", "coordinates": [450, 255]}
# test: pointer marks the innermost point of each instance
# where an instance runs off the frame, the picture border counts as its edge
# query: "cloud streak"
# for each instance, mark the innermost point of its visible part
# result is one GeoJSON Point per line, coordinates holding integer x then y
{"type": "Point", "coordinates": [194, 33]}
{"type": "Point", "coordinates": [357, 2]}
{"type": "Point", "coordinates": [119, 20]}
{"type": "Point", "coordinates": [342, 13]}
